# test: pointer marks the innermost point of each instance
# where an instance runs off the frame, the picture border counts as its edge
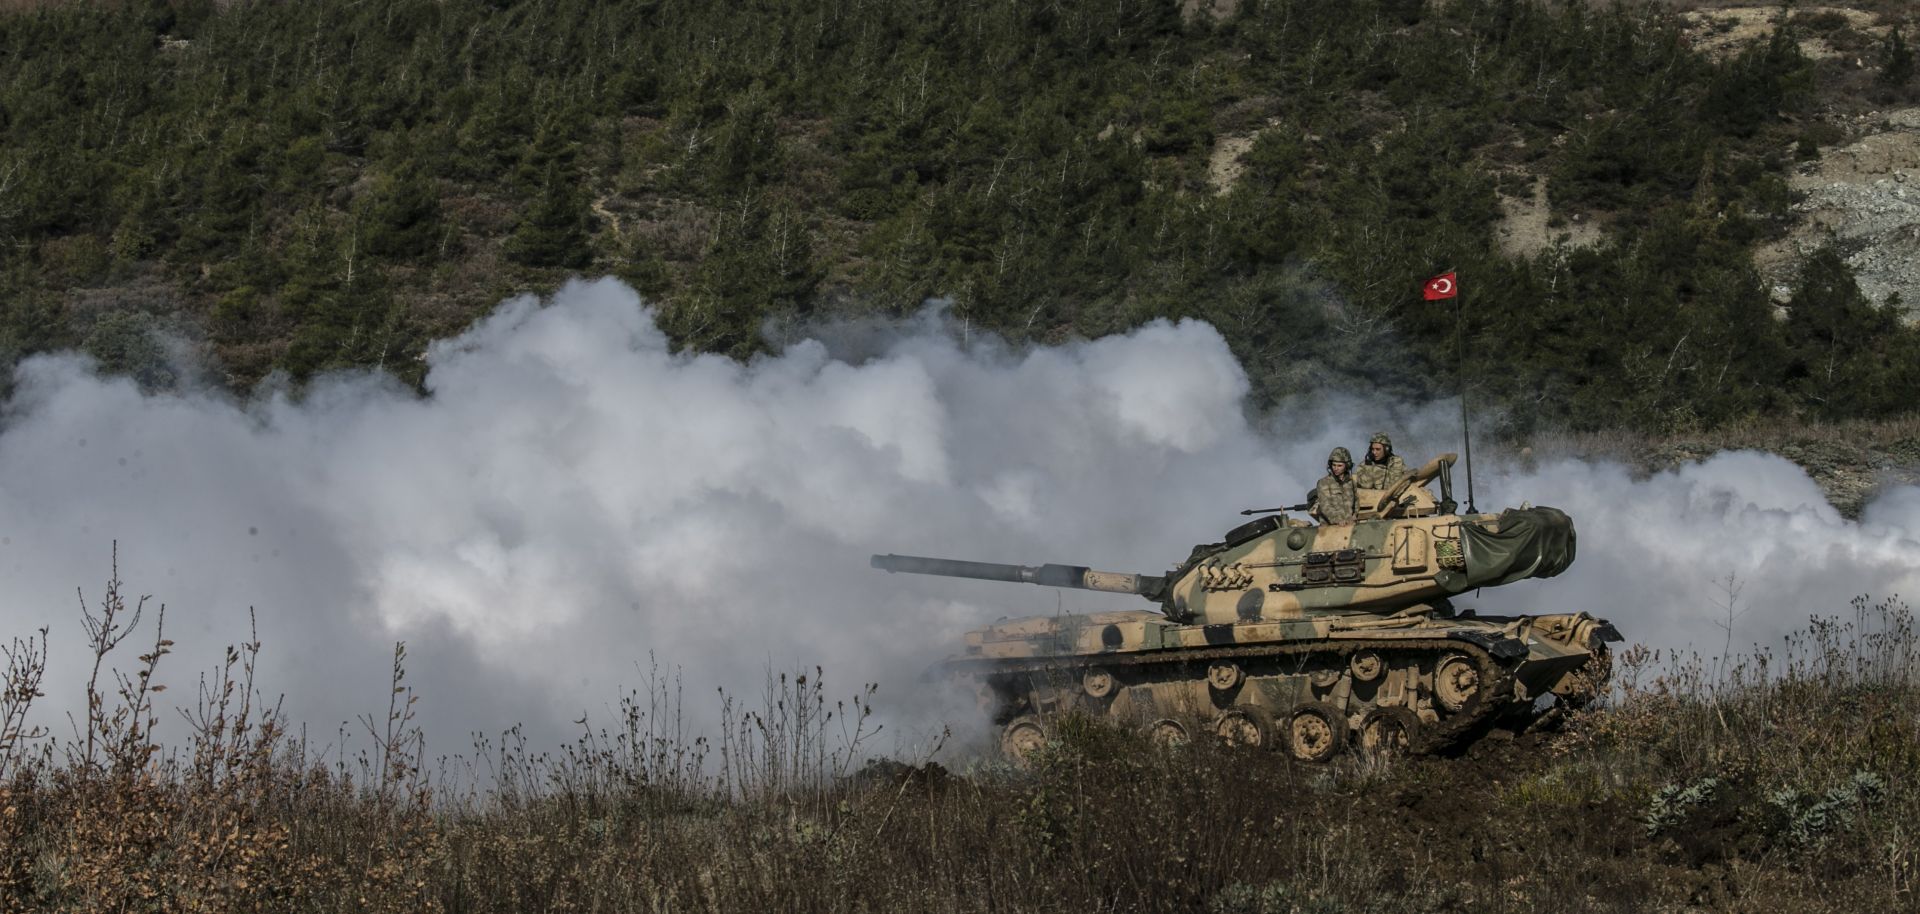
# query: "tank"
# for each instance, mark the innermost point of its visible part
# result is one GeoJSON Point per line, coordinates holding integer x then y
{"type": "Point", "coordinates": [1310, 639]}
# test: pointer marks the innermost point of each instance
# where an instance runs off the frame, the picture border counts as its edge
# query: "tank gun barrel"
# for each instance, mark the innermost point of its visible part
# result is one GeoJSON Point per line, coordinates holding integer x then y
{"type": "Point", "coordinates": [1076, 577]}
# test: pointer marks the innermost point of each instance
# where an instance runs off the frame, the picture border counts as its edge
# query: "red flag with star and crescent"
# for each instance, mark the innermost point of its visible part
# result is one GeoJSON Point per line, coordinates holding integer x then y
{"type": "Point", "coordinates": [1446, 285]}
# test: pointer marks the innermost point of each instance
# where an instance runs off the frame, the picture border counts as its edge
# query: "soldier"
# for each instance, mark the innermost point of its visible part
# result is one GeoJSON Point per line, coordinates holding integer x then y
{"type": "Point", "coordinates": [1382, 467]}
{"type": "Point", "coordinates": [1332, 499]}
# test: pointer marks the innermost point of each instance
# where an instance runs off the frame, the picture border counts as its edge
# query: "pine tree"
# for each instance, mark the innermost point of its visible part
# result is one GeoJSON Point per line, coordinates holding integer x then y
{"type": "Point", "coordinates": [554, 233]}
{"type": "Point", "coordinates": [1896, 62]}
{"type": "Point", "coordinates": [400, 218]}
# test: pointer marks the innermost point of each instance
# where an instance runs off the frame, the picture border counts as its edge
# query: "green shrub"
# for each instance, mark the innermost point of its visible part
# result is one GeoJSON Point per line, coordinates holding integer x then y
{"type": "Point", "coordinates": [1896, 61]}
{"type": "Point", "coordinates": [128, 343]}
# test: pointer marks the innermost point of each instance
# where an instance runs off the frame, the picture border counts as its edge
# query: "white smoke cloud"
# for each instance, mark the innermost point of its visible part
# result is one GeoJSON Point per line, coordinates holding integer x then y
{"type": "Point", "coordinates": [574, 498]}
{"type": "Point", "coordinates": [1665, 556]}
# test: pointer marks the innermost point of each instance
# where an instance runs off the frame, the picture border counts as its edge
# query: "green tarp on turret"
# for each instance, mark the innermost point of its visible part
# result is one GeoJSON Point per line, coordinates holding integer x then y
{"type": "Point", "coordinates": [1531, 543]}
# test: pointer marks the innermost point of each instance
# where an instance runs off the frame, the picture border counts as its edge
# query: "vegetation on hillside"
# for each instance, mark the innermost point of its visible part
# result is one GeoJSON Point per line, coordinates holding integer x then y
{"type": "Point", "coordinates": [1773, 782]}
{"type": "Point", "coordinates": [332, 184]}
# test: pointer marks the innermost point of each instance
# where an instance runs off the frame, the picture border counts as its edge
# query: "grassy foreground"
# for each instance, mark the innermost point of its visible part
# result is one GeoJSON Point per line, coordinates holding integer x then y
{"type": "Point", "coordinates": [1779, 781]}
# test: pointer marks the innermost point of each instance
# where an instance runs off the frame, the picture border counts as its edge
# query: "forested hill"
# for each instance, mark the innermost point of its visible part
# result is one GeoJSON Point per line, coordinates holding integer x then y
{"type": "Point", "coordinates": [312, 185]}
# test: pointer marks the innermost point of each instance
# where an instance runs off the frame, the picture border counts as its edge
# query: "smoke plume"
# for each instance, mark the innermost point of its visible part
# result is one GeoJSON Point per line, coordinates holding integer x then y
{"type": "Point", "coordinates": [574, 503]}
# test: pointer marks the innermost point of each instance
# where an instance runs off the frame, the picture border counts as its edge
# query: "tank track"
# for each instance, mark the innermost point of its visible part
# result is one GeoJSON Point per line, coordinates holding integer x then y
{"type": "Point", "coordinates": [1496, 677]}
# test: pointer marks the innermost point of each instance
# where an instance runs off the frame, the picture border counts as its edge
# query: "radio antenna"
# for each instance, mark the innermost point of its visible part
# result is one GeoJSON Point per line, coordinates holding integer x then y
{"type": "Point", "coordinates": [1441, 287]}
{"type": "Point", "coordinates": [1466, 424]}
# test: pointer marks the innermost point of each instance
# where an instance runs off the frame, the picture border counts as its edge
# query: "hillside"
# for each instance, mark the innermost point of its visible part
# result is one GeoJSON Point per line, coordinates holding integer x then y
{"type": "Point", "coordinates": [314, 186]}
{"type": "Point", "coordinates": [1683, 228]}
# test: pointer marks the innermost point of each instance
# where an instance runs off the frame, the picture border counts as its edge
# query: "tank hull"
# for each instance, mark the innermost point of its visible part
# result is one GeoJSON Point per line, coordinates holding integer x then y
{"type": "Point", "coordinates": [1311, 687]}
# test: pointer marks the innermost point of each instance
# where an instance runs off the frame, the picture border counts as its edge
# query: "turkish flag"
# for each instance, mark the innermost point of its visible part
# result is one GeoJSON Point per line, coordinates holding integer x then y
{"type": "Point", "coordinates": [1446, 285]}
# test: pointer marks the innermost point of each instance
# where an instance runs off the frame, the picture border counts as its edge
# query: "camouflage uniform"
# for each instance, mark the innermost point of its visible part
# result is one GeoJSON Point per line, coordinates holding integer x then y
{"type": "Point", "coordinates": [1333, 499]}
{"type": "Point", "coordinates": [1382, 474]}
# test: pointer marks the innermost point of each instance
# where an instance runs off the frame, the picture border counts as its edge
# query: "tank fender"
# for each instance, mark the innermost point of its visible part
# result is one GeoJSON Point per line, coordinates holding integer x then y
{"type": "Point", "coordinates": [1498, 646]}
{"type": "Point", "coordinates": [1576, 629]}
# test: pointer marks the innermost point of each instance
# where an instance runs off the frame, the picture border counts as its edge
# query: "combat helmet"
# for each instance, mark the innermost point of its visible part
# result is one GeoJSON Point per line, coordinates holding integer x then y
{"type": "Point", "coordinates": [1379, 438]}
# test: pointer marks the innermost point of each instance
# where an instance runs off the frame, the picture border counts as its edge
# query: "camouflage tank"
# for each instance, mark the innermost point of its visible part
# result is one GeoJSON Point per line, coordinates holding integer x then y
{"type": "Point", "coordinates": [1298, 637]}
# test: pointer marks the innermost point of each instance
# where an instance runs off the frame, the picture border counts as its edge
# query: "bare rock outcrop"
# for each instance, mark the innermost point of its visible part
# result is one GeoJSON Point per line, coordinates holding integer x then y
{"type": "Point", "coordinates": [1864, 199]}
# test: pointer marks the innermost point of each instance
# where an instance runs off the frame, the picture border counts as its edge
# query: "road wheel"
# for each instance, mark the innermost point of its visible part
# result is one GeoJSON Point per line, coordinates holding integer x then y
{"type": "Point", "coordinates": [1456, 682]}
{"type": "Point", "coordinates": [1367, 666]}
{"type": "Point", "coordinates": [1022, 737]}
{"type": "Point", "coordinates": [1388, 732]}
{"type": "Point", "coordinates": [1316, 732]}
{"type": "Point", "coordinates": [1097, 683]}
{"type": "Point", "coordinates": [1245, 726]}
{"type": "Point", "coordinates": [1168, 733]}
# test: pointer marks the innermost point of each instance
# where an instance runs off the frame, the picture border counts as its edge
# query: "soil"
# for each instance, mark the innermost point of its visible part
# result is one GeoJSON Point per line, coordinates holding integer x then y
{"type": "Point", "coordinates": [1223, 164]}
{"type": "Point", "coordinates": [1527, 225]}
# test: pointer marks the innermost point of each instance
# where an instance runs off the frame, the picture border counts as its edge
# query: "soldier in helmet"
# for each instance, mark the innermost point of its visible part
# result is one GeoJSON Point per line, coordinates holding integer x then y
{"type": "Point", "coordinates": [1332, 499]}
{"type": "Point", "coordinates": [1383, 467]}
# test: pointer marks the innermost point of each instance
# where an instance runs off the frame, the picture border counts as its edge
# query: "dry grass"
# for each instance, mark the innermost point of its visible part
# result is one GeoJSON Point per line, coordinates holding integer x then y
{"type": "Point", "coordinates": [1767, 782]}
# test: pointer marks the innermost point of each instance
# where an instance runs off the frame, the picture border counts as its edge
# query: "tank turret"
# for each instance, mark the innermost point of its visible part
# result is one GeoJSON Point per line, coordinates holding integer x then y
{"type": "Point", "coordinates": [1390, 560]}
{"type": "Point", "coordinates": [1306, 636]}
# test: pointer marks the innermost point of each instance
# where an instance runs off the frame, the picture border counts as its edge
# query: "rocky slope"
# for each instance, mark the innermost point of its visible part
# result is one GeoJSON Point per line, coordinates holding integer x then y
{"type": "Point", "coordinates": [1864, 198]}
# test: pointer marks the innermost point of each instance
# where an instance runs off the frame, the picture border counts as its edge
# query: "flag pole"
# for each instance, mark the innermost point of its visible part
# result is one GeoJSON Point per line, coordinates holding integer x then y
{"type": "Point", "coordinates": [1466, 427]}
